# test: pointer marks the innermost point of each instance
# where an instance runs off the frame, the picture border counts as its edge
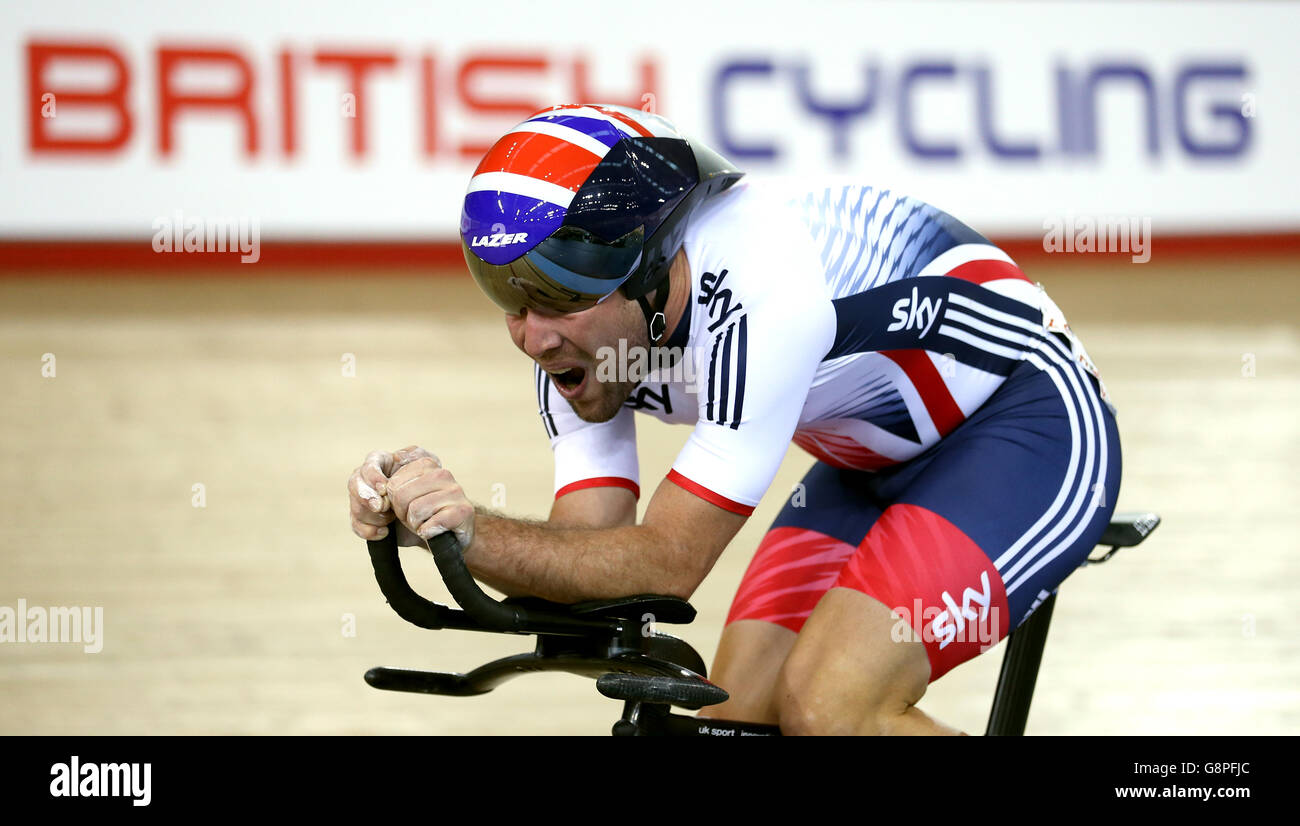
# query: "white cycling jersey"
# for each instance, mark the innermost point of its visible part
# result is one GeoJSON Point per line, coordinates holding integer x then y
{"type": "Point", "coordinates": [861, 324]}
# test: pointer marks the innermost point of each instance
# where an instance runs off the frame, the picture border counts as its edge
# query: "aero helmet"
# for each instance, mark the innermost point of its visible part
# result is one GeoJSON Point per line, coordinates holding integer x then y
{"type": "Point", "coordinates": [580, 200]}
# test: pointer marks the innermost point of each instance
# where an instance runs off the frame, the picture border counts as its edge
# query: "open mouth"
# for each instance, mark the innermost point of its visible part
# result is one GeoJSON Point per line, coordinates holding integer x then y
{"type": "Point", "coordinates": [569, 381]}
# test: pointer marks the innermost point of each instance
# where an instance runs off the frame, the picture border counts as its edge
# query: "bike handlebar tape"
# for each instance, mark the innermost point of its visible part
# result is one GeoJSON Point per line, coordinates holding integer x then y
{"type": "Point", "coordinates": [468, 595]}
{"type": "Point", "coordinates": [409, 605]}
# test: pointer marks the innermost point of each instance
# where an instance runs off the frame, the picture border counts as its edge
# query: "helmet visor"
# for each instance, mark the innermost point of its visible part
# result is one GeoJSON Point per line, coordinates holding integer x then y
{"type": "Point", "coordinates": [570, 271]}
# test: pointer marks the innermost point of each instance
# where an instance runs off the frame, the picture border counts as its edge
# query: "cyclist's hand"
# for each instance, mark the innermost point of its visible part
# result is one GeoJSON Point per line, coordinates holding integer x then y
{"type": "Point", "coordinates": [368, 503]}
{"type": "Point", "coordinates": [427, 499]}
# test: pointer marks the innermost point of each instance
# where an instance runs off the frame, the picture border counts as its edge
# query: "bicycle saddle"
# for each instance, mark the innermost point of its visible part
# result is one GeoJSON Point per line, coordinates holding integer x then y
{"type": "Point", "coordinates": [1129, 529]}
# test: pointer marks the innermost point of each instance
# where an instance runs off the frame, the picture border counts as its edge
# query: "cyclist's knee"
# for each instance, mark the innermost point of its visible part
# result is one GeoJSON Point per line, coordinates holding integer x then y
{"type": "Point", "coordinates": [811, 707]}
{"type": "Point", "coordinates": [846, 675]}
{"type": "Point", "coordinates": [805, 711]}
{"type": "Point", "coordinates": [821, 713]}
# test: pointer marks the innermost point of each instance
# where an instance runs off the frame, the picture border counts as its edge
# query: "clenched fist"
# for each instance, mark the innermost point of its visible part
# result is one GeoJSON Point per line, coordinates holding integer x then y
{"type": "Point", "coordinates": [411, 486]}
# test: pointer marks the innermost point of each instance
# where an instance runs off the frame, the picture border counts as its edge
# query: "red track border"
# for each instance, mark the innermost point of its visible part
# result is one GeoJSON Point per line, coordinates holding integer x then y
{"type": "Point", "coordinates": [309, 257]}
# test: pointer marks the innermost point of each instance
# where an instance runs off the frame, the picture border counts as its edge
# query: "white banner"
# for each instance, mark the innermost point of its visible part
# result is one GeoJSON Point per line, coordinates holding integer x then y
{"type": "Point", "coordinates": [335, 120]}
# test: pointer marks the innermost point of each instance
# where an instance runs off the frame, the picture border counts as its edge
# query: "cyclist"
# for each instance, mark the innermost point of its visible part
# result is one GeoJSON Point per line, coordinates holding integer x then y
{"type": "Point", "coordinates": [967, 452]}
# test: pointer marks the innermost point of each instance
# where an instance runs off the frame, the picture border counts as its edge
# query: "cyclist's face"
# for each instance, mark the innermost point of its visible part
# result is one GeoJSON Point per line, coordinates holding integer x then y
{"type": "Point", "coordinates": [569, 348]}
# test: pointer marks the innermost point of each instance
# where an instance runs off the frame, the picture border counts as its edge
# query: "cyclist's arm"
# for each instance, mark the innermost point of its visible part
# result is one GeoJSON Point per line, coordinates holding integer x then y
{"type": "Point", "coordinates": [602, 507]}
{"type": "Point", "coordinates": [670, 552]}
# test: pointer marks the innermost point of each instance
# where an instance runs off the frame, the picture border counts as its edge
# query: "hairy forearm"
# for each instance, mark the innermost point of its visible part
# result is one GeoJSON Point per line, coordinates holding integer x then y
{"type": "Point", "coordinates": [564, 564]}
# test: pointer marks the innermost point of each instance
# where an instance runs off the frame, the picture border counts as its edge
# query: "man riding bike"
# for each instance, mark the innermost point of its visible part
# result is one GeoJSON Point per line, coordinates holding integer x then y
{"type": "Point", "coordinates": [967, 452]}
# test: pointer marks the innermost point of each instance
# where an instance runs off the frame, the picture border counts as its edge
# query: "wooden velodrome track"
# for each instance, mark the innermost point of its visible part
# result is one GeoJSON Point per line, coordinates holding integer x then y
{"type": "Point", "coordinates": [231, 618]}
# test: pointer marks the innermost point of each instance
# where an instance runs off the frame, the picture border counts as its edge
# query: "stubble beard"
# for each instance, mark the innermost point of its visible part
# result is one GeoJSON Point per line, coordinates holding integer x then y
{"type": "Point", "coordinates": [607, 397]}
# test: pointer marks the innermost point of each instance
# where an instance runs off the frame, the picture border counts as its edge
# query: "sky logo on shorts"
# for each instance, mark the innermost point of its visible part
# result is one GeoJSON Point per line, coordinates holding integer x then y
{"type": "Point", "coordinates": [952, 622]}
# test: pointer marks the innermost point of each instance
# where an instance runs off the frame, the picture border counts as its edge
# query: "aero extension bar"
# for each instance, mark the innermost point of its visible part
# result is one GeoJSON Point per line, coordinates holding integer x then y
{"type": "Point", "coordinates": [612, 641]}
{"type": "Point", "coordinates": [481, 612]}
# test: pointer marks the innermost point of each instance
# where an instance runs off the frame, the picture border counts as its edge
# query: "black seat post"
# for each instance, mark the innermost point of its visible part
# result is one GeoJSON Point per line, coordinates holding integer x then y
{"type": "Point", "coordinates": [1019, 673]}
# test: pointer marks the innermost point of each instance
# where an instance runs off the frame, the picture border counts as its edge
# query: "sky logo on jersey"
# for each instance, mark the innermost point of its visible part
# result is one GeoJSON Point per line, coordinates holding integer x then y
{"type": "Point", "coordinates": [499, 239]}
{"type": "Point", "coordinates": [915, 312]}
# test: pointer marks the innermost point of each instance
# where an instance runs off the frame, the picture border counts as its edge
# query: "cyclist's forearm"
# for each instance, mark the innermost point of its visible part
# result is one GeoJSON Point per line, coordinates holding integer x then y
{"type": "Point", "coordinates": [518, 556]}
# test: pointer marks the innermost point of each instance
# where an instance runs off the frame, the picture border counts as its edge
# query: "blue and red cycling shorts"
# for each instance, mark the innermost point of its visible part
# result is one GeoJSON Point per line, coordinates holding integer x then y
{"type": "Point", "coordinates": [963, 541]}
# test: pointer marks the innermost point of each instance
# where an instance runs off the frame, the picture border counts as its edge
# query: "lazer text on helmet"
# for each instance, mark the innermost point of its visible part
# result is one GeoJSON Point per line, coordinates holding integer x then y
{"type": "Point", "coordinates": [499, 239]}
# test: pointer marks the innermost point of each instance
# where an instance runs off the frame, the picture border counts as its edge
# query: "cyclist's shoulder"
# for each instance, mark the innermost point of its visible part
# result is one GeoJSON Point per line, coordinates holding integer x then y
{"type": "Point", "coordinates": [744, 210]}
{"type": "Point", "coordinates": [751, 236]}
{"type": "Point", "coordinates": [814, 200]}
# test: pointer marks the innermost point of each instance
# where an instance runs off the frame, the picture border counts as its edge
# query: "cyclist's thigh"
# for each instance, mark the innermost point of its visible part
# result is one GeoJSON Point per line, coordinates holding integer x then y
{"type": "Point", "coordinates": [811, 539]}
{"type": "Point", "coordinates": [996, 515]}
{"type": "Point", "coordinates": [798, 560]}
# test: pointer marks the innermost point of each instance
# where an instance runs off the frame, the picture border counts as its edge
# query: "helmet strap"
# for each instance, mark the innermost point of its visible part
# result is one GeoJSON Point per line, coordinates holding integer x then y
{"type": "Point", "coordinates": [656, 321]}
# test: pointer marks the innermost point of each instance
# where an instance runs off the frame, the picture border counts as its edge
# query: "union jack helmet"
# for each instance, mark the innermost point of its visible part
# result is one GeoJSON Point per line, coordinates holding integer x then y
{"type": "Point", "coordinates": [580, 200]}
